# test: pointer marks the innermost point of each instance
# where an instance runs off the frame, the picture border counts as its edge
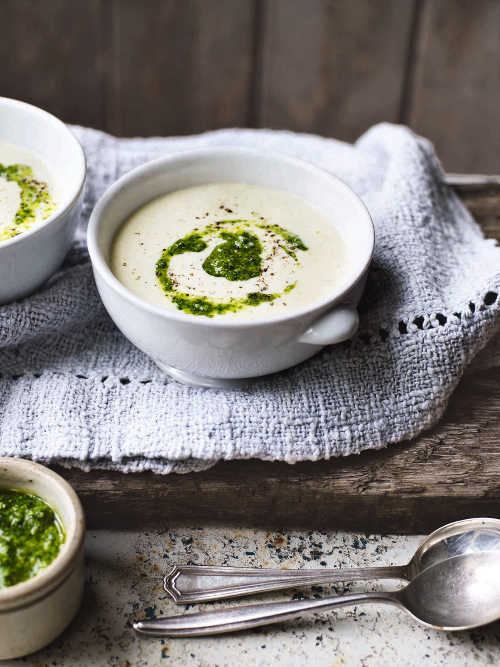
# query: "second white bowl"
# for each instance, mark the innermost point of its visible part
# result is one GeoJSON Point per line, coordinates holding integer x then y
{"type": "Point", "coordinates": [27, 260]}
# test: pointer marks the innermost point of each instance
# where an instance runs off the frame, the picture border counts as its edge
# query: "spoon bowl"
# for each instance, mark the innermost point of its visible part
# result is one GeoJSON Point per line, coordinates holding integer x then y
{"type": "Point", "coordinates": [456, 539]}
{"type": "Point", "coordinates": [456, 594]}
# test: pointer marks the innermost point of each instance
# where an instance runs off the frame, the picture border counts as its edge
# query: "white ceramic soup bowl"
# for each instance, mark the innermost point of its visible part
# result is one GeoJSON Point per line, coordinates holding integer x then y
{"type": "Point", "coordinates": [27, 260]}
{"type": "Point", "coordinates": [36, 611]}
{"type": "Point", "coordinates": [211, 351]}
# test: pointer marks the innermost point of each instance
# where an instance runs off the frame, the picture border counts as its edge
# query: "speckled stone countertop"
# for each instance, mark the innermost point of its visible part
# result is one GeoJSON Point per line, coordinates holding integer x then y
{"type": "Point", "coordinates": [124, 572]}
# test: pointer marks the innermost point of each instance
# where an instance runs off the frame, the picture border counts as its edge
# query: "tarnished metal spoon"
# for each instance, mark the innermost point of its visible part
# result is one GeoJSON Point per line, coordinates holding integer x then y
{"type": "Point", "coordinates": [201, 583]}
{"type": "Point", "coordinates": [459, 593]}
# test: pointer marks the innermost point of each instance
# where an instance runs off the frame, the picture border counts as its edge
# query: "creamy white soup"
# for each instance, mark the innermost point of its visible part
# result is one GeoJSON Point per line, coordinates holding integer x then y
{"type": "Point", "coordinates": [229, 250]}
{"type": "Point", "coordinates": [26, 191]}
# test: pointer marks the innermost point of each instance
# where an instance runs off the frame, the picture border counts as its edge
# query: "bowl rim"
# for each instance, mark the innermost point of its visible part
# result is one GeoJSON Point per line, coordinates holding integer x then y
{"type": "Point", "coordinates": [101, 266]}
{"type": "Point", "coordinates": [72, 197]}
{"type": "Point", "coordinates": [29, 591]}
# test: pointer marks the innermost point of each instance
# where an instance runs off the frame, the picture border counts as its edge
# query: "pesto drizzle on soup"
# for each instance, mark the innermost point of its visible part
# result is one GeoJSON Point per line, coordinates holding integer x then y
{"type": "Point", "coordinates": [35, 200]}
{"type": "Point", "coordinates": [229, 251]}
{"type": "Point", "coordinates": [31, 536]}
{"type": "Point", "coordinates": [237, 258]}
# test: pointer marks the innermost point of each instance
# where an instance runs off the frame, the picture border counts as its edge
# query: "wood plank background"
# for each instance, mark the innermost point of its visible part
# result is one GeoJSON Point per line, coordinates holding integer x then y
{"type": "Point", "coordinates": [334, 67]}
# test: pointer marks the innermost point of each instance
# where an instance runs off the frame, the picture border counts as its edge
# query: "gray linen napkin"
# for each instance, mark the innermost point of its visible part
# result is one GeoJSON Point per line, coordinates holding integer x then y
{"type": "Point", "coordinates": [73, 390]}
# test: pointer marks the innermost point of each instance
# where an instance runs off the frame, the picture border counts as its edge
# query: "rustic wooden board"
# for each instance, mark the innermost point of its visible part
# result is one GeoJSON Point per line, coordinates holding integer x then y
{"type": "Point", "coordinates": [450, 472]}
{"type": "Point", "coordinates": [456, 95]}
{"type": "Point", "coordinates": [333, 67]}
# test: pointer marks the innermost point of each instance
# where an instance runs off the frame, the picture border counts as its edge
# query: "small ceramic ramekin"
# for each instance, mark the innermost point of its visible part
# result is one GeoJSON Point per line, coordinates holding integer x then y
{"type": "Point", "coordinates": [27, 260]}
{"type": "Point", "coordinates": [214, 352]}
{"type": "Point", "coordinates": [36, 611]}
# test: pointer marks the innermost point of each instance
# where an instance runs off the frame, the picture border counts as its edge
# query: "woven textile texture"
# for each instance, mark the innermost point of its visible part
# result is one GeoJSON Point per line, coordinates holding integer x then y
{"type": "Point", "coordinates": [75, 391]}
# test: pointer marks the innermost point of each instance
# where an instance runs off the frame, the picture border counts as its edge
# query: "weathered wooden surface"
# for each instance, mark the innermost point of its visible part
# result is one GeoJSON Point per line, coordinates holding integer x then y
{"type": "Point", "coordinates": [450, 472]}
{"type": "Point", "coordinates": [163, 67]}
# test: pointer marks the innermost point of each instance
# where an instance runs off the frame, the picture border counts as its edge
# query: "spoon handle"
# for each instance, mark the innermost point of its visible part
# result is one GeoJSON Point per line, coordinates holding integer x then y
{"type": "Point", "coordinates": [201, 583]}
{"type": "Point", "coordinates": [250, 616]}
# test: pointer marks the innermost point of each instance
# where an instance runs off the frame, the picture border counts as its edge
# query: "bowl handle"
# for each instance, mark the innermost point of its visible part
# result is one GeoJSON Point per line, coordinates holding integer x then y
{"type": "Point", "coordinates": [337, 325]}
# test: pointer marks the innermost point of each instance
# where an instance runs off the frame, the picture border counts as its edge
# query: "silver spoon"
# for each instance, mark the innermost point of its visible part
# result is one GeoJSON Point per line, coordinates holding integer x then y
{"type": "Point", "coordinates": [200, 583]}
{"type": "Point", "coordinates": [456, 594]}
